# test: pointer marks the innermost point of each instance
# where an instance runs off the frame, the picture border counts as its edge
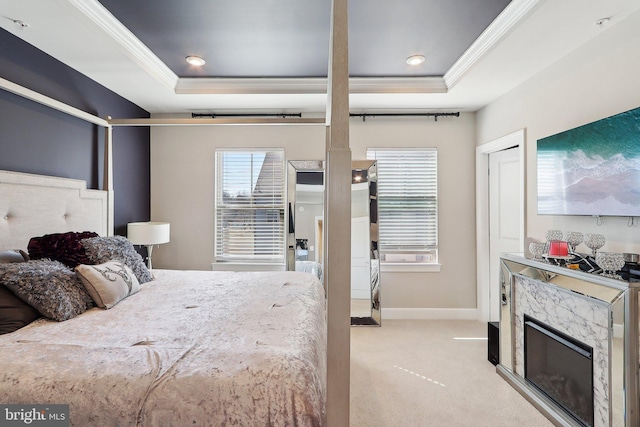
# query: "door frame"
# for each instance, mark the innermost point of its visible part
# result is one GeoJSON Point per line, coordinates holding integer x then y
{"type": "Point", "coordinates": [515, 139]}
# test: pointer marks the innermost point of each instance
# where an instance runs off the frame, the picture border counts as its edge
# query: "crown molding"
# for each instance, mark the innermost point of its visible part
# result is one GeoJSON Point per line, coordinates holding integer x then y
{"type": "Point", "coordinates": [397, 85]}
{"type": "Point", "coordinates": [241, 86]}
{"type": "Point", "coordinates": [510, 16]}
{"type": "Point", "coordinates": [137, 50]}
{"type": "Point", "coordinates": [201, 85]}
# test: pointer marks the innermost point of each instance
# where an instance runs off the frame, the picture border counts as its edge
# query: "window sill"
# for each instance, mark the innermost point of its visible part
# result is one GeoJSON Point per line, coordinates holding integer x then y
{"type": "Point", "coordinates": [246, 266]}
{"type": "Point", "coordinates": [409, 268]}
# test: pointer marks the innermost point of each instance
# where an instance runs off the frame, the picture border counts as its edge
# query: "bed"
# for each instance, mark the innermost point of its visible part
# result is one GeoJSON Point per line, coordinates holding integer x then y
{"type": "Point", "coordinates": [202, 348]}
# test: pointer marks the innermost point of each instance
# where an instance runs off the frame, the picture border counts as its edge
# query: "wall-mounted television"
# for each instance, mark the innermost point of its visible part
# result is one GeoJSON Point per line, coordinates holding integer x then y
{"type": "Point", "coordinates": [592, 169]}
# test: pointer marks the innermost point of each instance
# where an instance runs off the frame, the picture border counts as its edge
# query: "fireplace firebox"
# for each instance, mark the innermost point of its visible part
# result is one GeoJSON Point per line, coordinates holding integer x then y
{"type": "Point", "coordinates": [561, 367]}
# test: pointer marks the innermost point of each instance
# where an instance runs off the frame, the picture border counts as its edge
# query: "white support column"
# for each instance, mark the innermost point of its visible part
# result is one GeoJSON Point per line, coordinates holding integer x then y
{"type": "Point", "coordinates": [337, 229]}
{"type": "Point", "coordinates": [107, 179]}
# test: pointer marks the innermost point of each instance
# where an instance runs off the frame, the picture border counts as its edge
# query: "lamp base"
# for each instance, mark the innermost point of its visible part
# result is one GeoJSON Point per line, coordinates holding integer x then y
{"type": "Point", "coordinates": [149, 251]}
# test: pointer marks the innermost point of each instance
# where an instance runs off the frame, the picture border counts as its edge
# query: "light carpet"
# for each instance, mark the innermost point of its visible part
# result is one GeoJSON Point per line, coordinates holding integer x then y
{"type": "Point", "coordinates": [414, 373]}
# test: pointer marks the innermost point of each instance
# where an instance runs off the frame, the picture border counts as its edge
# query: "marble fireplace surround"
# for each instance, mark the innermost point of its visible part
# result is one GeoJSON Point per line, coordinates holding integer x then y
{"type": "Point", "coordinates": [583, 318]}
{"type": "Point", "coordinates": [600, 312]}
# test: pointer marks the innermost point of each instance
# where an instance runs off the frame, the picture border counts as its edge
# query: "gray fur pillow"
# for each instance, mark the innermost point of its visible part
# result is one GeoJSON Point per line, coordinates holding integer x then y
{"type": "Point", "coordinates": [116, 248]}
{"type": "Point", "coordinates": [48, 286]}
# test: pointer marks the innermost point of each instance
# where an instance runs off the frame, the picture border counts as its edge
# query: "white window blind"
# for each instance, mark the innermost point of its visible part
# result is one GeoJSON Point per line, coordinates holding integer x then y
{"type": "Point", "coordinates": [407, 204]}
{"type": "Point", "coordinates": [249, 205]}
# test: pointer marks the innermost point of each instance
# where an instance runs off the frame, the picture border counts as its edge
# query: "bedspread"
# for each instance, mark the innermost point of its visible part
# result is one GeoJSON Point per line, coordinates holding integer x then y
{"type": "Point", "coordinates": [197, 348]}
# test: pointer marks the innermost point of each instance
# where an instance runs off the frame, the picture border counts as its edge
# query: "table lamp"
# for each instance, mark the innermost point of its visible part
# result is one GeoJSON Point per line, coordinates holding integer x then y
{"type": "Point", "coordinates": [148, 234]}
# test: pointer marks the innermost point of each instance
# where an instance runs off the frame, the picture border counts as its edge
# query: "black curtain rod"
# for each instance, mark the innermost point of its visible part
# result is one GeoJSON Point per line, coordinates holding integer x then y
{"type": "Point", "coordinates": [363, 115]}
{"type": "Point", "coordinates": [214, 115]}
{"type": "Point", "coordinates": [434, 115]}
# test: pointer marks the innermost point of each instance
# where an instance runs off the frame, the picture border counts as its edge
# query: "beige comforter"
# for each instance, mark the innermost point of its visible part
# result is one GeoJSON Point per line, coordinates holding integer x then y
{"type": "Point", "coordinates": [192, 348]}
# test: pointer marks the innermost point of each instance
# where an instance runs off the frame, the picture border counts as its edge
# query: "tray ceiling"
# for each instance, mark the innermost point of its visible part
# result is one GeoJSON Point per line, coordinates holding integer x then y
{"type": "Point", "coordinates": [271, 55]}
{"type": "Point", "coordinates": [290, 38]}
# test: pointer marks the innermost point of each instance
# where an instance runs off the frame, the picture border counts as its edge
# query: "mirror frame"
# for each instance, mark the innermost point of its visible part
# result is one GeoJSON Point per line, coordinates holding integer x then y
{"type": "Point", "coordinates": [375, 318]}
{"type": "Point", "coordinates": [295, 166]}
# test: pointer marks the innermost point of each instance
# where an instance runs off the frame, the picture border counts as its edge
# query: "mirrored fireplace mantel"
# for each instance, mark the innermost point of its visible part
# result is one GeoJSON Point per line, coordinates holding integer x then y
{"type": "Point", "coordinates": [600, 312]}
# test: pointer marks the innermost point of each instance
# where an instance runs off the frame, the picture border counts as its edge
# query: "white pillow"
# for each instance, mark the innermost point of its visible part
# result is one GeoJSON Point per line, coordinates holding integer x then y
{"type": "Point", "coordinates": [108, 283]}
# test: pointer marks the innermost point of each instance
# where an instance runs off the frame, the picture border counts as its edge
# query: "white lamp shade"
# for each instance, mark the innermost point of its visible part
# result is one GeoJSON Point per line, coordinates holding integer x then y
{"type": "Point", "coordinates": [148, 233]}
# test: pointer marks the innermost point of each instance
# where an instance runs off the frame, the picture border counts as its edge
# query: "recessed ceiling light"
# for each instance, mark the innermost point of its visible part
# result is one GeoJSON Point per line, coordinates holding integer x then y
{"type": "Point", "coordinates": [195, 61]}
{"type": "Point", "coordinates": [415, 60]}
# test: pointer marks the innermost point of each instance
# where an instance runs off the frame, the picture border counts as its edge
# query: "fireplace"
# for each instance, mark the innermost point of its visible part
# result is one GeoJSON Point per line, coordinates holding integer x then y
{"type": "Point", "coordinates": [561, 367]}
{"type": "Point", "coordinates": [598, 312]}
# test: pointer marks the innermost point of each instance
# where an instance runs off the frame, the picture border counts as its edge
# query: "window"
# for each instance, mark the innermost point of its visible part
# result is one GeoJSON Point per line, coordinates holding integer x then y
{"type": "Point", "coordinates": [249, 206]}
{"type": "Point", "coordinates": [407, 205]}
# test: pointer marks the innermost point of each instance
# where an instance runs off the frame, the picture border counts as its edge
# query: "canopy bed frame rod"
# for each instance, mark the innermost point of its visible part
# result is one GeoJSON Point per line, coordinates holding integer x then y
{"type": "Point", "coordinates": [52, 103]}
{"type": "Point", "coordinates": [217, 121]}
{"type": "Point", "coordinates": [214, 115]}
{"type": "Point", "coordinates": [107, 181]}
{"type": "Point", "coordinates": [434, 115]}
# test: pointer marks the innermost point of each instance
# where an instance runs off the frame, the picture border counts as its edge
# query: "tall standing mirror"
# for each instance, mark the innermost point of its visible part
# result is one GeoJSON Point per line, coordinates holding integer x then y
{"type": "Point", "coordinates": [306, 213]}
{"type": "Point", "coordinates": [306, 216]}
{"type": "Point", "coordinates": [365, 259]}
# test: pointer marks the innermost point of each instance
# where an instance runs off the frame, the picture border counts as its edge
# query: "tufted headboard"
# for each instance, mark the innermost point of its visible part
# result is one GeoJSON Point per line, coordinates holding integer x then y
{"type": "Point", "coordinates": [34, 205]}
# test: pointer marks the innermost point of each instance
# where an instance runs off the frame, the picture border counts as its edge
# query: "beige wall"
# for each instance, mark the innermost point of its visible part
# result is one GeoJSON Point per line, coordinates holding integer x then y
{"type": "Point", "coordinates": [182, 191]}
{"type": "Point", "coordinates": [454, 287]}
{"type": "Point", "coordinates": [598, 80]}
{"type": "Point", "coordinates": [182, 180]}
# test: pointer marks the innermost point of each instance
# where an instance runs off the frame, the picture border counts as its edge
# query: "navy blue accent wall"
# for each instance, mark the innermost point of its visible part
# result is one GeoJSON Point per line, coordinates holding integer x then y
{"type": "Point", "coordinates": [38, 139]}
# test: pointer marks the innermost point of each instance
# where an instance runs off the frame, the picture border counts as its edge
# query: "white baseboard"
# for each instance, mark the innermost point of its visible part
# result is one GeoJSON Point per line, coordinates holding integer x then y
{"type": "Point", "coordinates": [430, 313]}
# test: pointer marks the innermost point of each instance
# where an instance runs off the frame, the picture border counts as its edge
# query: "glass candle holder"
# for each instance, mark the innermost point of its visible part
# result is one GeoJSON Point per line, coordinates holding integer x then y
{"type": "Point", "coordinates": [537, 249]}
{"type": "Point", "coordinates": [594, 242]}
{"type": "Point", "coordinates": [610, 262]}
{"type": "Point", "coordinates": [552, 235]}
{"type": "Point", "coordinates": [574, 238]}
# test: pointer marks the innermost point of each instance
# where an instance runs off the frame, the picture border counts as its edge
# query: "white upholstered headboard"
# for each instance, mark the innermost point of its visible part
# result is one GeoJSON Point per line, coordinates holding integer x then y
{"type": "Point", "coordinates": [34, 205]}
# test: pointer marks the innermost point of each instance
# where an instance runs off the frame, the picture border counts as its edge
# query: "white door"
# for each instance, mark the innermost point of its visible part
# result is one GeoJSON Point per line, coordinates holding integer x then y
{"type": "Point", "coordinates": [360, 261]}
{"type": "Point", "coordinates": [504, 217]}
